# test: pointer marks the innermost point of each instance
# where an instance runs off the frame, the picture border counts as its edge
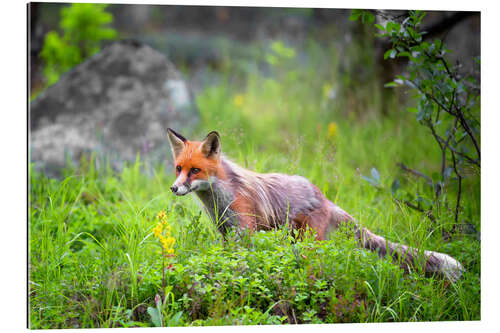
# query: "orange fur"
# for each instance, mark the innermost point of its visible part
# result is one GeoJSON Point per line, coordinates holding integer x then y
{"type": "Point", "coordinates": [246, 213]}
{"type": "Point", "coordinates": [192, 157]}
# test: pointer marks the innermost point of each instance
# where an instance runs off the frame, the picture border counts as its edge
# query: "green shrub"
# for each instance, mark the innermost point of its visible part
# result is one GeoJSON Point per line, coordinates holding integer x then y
{"type": "Point", "coordinates": [84, 29]}
{"type": "Point", "coordinates": [448, 104]}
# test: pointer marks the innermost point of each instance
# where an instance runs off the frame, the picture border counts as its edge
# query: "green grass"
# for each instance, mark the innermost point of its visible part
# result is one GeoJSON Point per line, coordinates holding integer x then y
{"type": "Point", "coordinates": [94, 261]}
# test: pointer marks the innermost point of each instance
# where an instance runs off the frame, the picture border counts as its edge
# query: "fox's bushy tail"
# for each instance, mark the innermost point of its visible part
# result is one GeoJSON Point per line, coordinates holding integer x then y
{"type": "Point", "coordinates": [408, 258]}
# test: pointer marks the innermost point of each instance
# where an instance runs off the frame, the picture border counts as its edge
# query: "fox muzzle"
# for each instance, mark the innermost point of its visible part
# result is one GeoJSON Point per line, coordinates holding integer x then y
{"type": "Point", "coordinates": [181, 190]}
{"type": "Point", "coordinates": [181, 186]}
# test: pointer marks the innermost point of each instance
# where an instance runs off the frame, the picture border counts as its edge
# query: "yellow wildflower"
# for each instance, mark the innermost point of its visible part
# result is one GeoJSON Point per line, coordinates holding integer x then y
{"type": "Point", "coordinates": [157, 230]}
{"type": "Point", "coordinates": [162, 216]}
{"type": "Point", "coordinates": [167, 241]}
{"type": "Point", "coordinates": [239, 100]}
{"type": "Point", "coordinates": [170, 241]}
{"type": "Point", "coordinates": [167, 244]}
{"type": "Point", "coordinates": [332, 130]}
{"type": "Point", "coordinates": [162, 231]}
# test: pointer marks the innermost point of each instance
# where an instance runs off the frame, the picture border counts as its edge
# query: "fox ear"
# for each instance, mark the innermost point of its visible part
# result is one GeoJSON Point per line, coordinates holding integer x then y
{"type": "Point", "coordinates": [211, 146]}
{"type": "Point", "coordinates": [177, 142]}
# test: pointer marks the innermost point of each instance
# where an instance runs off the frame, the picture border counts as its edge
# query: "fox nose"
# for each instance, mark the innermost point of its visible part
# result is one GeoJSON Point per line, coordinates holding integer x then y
{"type": "Point", "coordinates": [174, 188]}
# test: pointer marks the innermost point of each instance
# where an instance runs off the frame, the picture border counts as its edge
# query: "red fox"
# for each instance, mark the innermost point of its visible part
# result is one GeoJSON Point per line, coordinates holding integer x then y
{"type": "Point", "coordinates": [237, 197]}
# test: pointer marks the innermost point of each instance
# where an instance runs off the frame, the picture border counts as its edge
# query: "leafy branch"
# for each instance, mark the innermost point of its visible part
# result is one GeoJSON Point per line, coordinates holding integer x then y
{"type": "Point", "coordinates": [448, 103]}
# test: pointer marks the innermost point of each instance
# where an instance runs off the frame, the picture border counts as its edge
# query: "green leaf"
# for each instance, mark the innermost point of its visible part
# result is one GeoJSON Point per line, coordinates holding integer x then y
{"type": "Point", "coordinates": [370, 180]}
{"type": "Point", "coordinates": [391, 84]}
{"type": "Point", "coordinates": [397, 27]}
{"type": "Point", "coordinates": [367, 17]}
{"type": "Point", "coordinates": [155, 315]}
{"type": "Point", "coordinates": [438, 43]}
{"type": "Point", "coordinates": [389, 26]}
{"type": "Point", "coordinates": [175, 319]}
{"type": "Point", "coordinates": [355, 14]}
{"type": "Point", "coordinates": [375, 174]}
{"type": "Point", "coordinates": [380, 26]}
{"type": "Point", "coordinates": [390, 53]}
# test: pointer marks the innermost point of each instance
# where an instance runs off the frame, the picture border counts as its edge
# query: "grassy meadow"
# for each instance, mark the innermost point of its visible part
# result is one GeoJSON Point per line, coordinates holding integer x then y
{"type": "Point", "coordinates": [95, 259]}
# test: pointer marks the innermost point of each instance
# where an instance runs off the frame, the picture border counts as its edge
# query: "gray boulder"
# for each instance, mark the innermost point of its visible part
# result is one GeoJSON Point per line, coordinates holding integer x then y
{"type": "Point", "coordinates": [116, 104]}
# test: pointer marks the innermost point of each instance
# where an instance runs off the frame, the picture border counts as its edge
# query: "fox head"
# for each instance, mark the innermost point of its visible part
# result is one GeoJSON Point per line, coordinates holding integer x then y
{"type": "Point", "coordinates": [195, 161]}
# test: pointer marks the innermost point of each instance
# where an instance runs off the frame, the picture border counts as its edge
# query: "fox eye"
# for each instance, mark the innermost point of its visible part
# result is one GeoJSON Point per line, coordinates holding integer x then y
{"type": "Point", "coordinates": [178, 168]}
{"type": "Point", "coordinates": [194, 171]}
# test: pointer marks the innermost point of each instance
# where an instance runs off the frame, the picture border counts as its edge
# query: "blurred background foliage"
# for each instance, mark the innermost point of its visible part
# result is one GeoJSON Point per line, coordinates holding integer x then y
{"type": "Point", "coordinates": [211, 44]}
{"type": "Point", "coordinates": [84, 28]}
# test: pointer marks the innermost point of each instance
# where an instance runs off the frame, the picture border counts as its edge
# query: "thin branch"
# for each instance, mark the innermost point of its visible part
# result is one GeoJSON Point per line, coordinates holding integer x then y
{"type": "Point", "coordinates": [441, 141]}
{"type": "Point", "coordinates": [446, 145]}
{"type": "Point", "coordinates": [443, 61]}
{"type": "Point", "coordinates": [458, 114]}
{"type": "Point", "coordinates": [468, 158]}
{"type": "Point", "coordinates": [415, 173]}
{"type": "Point", "coordinates": [438, 113]}
{"type": "Point", "coordinates": [459, 195]}
{"type": "Point", "coordinates": [466, 127]}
